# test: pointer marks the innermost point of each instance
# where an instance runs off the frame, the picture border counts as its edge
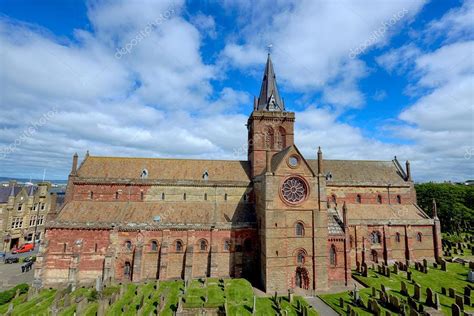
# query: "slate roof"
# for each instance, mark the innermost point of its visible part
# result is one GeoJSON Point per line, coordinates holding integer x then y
{"type": "Point", "coordinates": [335, 225]}
{"type": "Point", "coordinates": [164, 169]}
{"type": "Point", "coordinates": [386, 213]}
{"type": "Point", "coordinates": [96, 213]}
{"type": "Point", "coordinates": [360, 172]}
{"type": "Point", "coordinates": [268, 90]}
{"type": "Point", "coordinates": [5, 193]}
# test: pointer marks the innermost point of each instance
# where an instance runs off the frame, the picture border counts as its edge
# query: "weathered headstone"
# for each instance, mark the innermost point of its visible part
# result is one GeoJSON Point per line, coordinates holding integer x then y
{"type": "Point", "coordinates": [81, 306]}
{"type": "Point", "coordinates": [374, 292]}
{"type": "Point", "coordinates": [467, 300]}
{"type": "Point", "coordinates": [436, 302]}
{"type": "Point", "coordinates": [443, 265]}
{"type": "Point", "coordinates": [455, 310]}
{"type": "Point", "coordinates": [467, 291]}
{"type": "Point", "coordinates": [395, 268]}
{"type": "Point", "coordinates": [341, 302]}
{"type": "Point", "coordinates": [451, 292]}
{"type": "Point", "coordinates": [470, 276]}
{"type": "Point", "coordinates": [417, 294]}
{"type": "Point", "coordinates": [404, 289]}
{"type": "Point", "coordinates": [409, 275]}
{"type": "Point", "coordinates": [364, 270]}
{"type": "Point", "coordinates": [429, 297]}
{"type": "Point", "coordinates": [459, 301]}
{"type": "Point", "coordinates": [443, 290]}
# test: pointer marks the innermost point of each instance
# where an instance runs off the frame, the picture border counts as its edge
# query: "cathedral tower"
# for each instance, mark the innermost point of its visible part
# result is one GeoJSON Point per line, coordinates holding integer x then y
{"type": "Point", "coordinates": [270, 126]}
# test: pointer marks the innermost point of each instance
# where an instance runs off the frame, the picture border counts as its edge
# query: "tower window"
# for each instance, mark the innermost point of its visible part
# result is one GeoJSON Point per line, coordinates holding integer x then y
{"type": "Point", "coordinates": [225, 197]}
{"type": "Point", "coordinates": [375, 237]}
{"type": "Point", "coordinates": [128, 245]}
{"type": "Point", "coordinates": [419, 237]}
{"type": "Point", "coordinates": [144, 174]}
{"type": "Point", "coordinates": [397, 237]}
{"type": "Point", "coordinates": [154, 245]}
{"type": "Point", "coordinates": [95, 247]}
{"type": "Point", "coordinates": [205, 196]}
{"type": "Point", "coordinates": [163, 196]}
{"type": "Point", "coordinates": [300, 257]}
{"type": "Point", "coordinates": [358, 199]}
{"type": "Point", "coordinates": [299, 229]}
{"type": "Point", "coordinates": [117, 195]}
{"type": "Point", "coordinates": [205, 175]}
{"type": "Point", "coordinates": [379, 199]}
{"type": "Point", "coordinates": [184, 196]}
{"type": "Point", "coordinates": [127, 269]}
{"type": "Point", "coordinates": [91, 195]}
{"type": "Point", "coordinates": [179, 246]}
{"type": "Point", "coordinates": [142, 195]}
{"type": "Point", "coordinates": [399, 199]}
{"type": "Point", "coordinates": [203, 245]}
{"type": "Point", "coordinates": [332, 256]}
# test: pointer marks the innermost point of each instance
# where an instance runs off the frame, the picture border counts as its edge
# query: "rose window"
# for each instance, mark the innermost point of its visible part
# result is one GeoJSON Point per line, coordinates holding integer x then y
{"type": "Point", "coordinates": [293, 190]}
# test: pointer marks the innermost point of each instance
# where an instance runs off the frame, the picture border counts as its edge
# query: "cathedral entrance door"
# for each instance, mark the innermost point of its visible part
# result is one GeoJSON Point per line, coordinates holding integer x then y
{"type": "Point", "coordinates": [301, 278]}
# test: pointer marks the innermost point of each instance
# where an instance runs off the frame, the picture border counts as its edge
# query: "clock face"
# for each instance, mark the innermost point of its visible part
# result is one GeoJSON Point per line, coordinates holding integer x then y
{"type": "Point", "coordinates": [294, 190]}
{"type": "Point", "coordinates": [293, 161]}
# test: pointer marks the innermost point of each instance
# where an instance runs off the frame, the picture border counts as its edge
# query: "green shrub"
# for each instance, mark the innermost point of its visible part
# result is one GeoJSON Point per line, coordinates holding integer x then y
{"type": "Point", "coordinates": [8, 295]}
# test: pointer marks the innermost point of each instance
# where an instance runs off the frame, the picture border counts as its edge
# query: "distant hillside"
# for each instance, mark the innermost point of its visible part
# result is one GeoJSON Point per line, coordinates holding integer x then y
{"type": "Point", "coordinates": [22, 180]}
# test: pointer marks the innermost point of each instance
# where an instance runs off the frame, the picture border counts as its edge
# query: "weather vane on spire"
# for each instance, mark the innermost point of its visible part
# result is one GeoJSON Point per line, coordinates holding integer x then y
{"type": "Point", "coordinates": [269, 48]}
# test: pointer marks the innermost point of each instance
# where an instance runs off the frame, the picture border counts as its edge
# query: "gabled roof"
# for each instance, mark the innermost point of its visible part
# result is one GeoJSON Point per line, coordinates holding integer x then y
{"type": "Point", "coordinates": [164, 169]}
{"type": "Point", "coordinates": [280, 156]}
{"type": "Point", "coordinates": [269, 99]}
{"type": "Point", "coordinates": [5, 192]}
{"type": "Point", "coordinates": [90, 213]}
{"type": "Point", "coordinates": [360, 172]}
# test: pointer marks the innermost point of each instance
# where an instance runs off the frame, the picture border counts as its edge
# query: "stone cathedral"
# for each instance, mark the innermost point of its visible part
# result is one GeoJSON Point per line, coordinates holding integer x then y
{"type": "Point", "coordinates": [278, 219]}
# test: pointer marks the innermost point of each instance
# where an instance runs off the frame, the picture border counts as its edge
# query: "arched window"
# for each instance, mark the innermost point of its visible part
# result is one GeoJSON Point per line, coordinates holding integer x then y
{"type": "Point", "coordinates": [419, 237]}
{"type": "Point", "coordinates": [358, 199]}
{"type": "Point", "coordinates": [184, 196]}
{"type": "Point", "coordinates": [117, 195]}
{"type": "Point", "coordinates": [397, 237]}
{"type": "Point", "coordinates": [163, 195]}
{"type": "Point", "coordinates": [269, 138]}
{"type": "Point", "coordinates": [179, 246]}
{"type": "Point", "coordinates": [91, 195]}
{"type": "Point", "coordinates": [127, 269]}
{"type": "Point", "coordinates": [203, 245]}
{"type": "Point", "coordinates": [300, 257]}
{"type": "Point", "coordinates": [351, 241]}
{"type": "Point", "coordinates": [281, 138]}
{"type": "Point", "coordinates": [248, 245]}
{"type": "Point", "coordinates": [142, 196]}
{"type": "Point", "coordinates": [154, 245]}
{"type": "Point", "coordinates": [375, 256]}
{"type": "Point", "coordinates": [399, 199]}
{"type": "Point", "coordinates": [144, 174]}
{"type": "Point", "coordinates": [379, 199]}
{"type": "Point", "coordinates": [299, 229]}
{"type": "Point", "coordinates": [205, 196]}
{"type": "Point", "coordinates": [375, 237]}
{"type": "Point", "coordinates": [225, 197]}
{"type": "Point", "coordinates": [333, 256]}
{"type": "Point", "coordinates": [227, 245]}
{"type": "Point", "coordinates": [128, 245]}
{"type": "Point", "coordinates": [205, 175]}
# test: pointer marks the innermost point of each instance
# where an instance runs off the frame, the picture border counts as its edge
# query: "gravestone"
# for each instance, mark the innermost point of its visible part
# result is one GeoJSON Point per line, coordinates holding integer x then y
{"type": "Point", "coordinates": [467, 291]}
{"type": "Point", "coordinates": [364, 270]}
{"type": "Point", "coordinates": [409, 275]}
{"type": "Point", "coordinates": [374, 291]}
{"type": "Point", "coordinates": [471, 264]}
{"type": "Point", "coordinates": [81, 306]}
{"type": "Point", "coordinates": [459, 301]}
{"type": "Point", "coordinates": [455, 310]}
{"type": "Point", "coordinates": [470, 276]}
{"type": "Point", "coordinates": [451, 292]}
{"type": "Point", "coordinates": [435, 265]}
{"type": "Point", "coordinates": [417, 295]}
{"type": "Point", "coordinates": [443, 265]}
{"type": "Point", "coordinates": [404, 289]}
{"type": "Point", "coordinates": [429, 297]}
{"type": "Point", "coordinates": [425, 263]}
{"type": "Point", "coordinates": [358, 269]}
{"type": "Point", "coordinates": [436, 302]}
{"type": "Point", "coordinates": [387, 272]}
{"type": "Point", "coordinates": [395, 268]}
{"type": "Point", "coordinates": [443, 290]}
{"type": "Point", "coordinates": [467, 300]}
{"type": "Point", "coordinates": [341, 302]}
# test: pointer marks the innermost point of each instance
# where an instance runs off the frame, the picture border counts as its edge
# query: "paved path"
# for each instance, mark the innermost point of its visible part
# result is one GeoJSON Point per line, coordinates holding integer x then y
{"type": "Point", "coordinates": [322, 308]}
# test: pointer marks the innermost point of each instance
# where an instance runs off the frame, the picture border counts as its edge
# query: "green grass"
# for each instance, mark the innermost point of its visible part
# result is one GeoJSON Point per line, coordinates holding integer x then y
{"type": "Point", "coordinates": [238, 293]}
{"type": "Point", "coordinates": [455, 278]}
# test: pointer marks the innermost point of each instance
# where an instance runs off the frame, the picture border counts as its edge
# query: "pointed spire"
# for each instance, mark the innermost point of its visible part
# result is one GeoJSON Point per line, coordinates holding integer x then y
{"type": "Point", "coordinates": [269, 99]}
{"type": "Point", "coordinates": [320, 161]}
{"type": "Point", "coordinates": [435, 210]}
{"type": "Point", "coordinates": [74, 164]}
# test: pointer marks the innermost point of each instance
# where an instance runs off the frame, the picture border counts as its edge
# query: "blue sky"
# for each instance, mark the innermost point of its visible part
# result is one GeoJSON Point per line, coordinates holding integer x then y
{"type": "Point", "coordinates": [367, 80]}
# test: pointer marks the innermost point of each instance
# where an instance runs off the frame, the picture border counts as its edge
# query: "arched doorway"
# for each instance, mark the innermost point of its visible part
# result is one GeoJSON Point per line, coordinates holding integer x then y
{"type": "Point", "coordinates": [302, 278]}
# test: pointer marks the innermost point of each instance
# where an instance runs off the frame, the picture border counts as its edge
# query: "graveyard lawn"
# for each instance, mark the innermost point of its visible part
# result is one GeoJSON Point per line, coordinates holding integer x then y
{"type": "Point", "coordinates": [455, 277]}
{"type": "Point", "coordinates": [210, 293]}
{"type": "Point", "coordinates": [453, 241]}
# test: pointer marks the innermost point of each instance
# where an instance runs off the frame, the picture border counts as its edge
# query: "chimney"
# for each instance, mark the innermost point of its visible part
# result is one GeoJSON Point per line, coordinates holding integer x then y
{"type": "Point", "coordinates": [269, 162]}
{"type": "Point", "coordinates": [74, 165]}
{"type": "Point", "coordinates": [407, 163]}
{"type": "Point", "coordinates": [320, 161]}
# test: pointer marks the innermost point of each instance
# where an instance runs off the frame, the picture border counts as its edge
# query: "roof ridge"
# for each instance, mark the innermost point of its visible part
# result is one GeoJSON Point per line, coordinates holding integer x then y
{"type": "Point", "coordinates": [162, 158]}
